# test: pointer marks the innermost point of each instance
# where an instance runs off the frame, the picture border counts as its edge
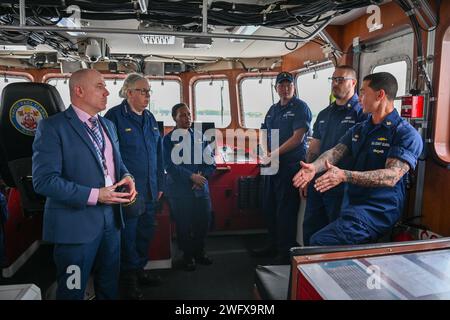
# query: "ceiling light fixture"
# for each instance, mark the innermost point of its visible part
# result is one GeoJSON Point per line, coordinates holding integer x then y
{"type": "Point", "coordinates": [244, 30]}
{"type": "Point", "coordinates": [196, 42]}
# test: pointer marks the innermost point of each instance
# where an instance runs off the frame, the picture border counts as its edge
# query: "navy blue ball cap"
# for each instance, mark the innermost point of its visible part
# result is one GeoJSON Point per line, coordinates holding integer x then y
{"type": "Point", "coordinates": [284, 76]}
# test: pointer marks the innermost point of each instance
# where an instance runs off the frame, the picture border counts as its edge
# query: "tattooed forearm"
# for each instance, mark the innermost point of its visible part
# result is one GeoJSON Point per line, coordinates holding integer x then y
{"type": "Point", "coordinates": [333, 156]}
{"type": "Point", "coordinates": [388, 177]}
{"type": "Point", "coordinates": [311, 157]}
{"type": "Point", "coordinates": [348, 176]}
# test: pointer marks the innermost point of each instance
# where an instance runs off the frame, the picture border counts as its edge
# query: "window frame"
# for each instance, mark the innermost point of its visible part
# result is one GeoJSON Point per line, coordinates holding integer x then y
{"type": "Point", "coordinates": [210, 77]}
{"type": "Point", "coordinates": [393, 59]}
{"type": "Point", "coordinates": [314, 67]}
{"type": "Point", "coordinates": [167, 78]}
{"type": "Point", "coordinates": [240, 79]}
{"type": "Point", "coordinates": [16, 74]}
{"type": "Point", "coordinates": [111, 76]}
{"type": "Point", "coordinates": [310, 69]}
{"type": "Point", "coordinates": [65, 76]}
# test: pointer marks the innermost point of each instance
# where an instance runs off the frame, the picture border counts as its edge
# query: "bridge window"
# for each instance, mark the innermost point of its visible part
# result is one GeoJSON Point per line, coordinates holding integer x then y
{"type": "Point", "coordinates": [258, 94]}
{"type": "Point", "coordinates": [212, 102]}
{"type": "Point", "coordinates": [314, 88]}
{"type": "Point", "coordinates": [399, 69]}
{"type": "Point", "coordinates": [62, 85]}
{"type": "Point", "coordinates": [7, 78]}
{"type": "Point", "coordinates": [164, 95]}
{"type": "Point", "coordinates": [113, 85]}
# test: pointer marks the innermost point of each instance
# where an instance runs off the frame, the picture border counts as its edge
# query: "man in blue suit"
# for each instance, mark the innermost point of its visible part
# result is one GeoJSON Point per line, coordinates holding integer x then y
{"type": "Point", "coordinates": [78, 167]}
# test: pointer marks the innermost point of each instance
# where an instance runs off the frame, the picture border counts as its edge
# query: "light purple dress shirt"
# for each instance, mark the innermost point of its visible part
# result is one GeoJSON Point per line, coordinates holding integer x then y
{"type": "Point", "coordinates": [84, 117]}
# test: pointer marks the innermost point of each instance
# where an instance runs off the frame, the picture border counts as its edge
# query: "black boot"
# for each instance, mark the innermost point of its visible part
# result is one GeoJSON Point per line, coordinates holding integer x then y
{"type": "Point", "coordinates": [145, 277]}
{"type": "Point", "coordinates": [203, 259]}
{"type": "Point", "coordinates": [129, 286]}
{"type": "Point", "coordinates": [188, 263]}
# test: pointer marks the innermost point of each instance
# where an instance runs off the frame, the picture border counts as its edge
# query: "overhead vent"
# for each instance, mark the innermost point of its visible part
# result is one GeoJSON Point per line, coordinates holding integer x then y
{"type": "Point", "coordinates": [157, 39]}
{"type": "Point", "coordinates": [196, 42]}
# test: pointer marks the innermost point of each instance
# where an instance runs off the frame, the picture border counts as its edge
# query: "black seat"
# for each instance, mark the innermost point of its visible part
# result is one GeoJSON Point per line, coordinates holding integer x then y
{"type": "Point", "coordinates": [22, 106]}
{"type": "Point", "coordinates": [272, 282]}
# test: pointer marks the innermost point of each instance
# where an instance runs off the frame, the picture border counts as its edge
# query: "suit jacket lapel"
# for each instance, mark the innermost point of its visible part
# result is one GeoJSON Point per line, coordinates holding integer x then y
{"type": "Point", "coordinates": [79, 128]}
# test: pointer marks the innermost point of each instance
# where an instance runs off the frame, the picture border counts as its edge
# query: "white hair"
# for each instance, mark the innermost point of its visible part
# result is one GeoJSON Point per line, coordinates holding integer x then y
{"type": "Point", "coordinates": [129, 84]}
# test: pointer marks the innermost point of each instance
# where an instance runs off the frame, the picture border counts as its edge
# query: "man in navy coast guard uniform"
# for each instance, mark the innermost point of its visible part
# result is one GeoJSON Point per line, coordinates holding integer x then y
{"type": "Point", "coordinates": [291, 117]}
{"type": "Point", "coordinates": [331, 124]}
{"type": "Point", "coordinates": [141, 149]}
{"type": "Point", "coordinates": [383, 149]}
{"type": "Point", "coordinates": [187, 186]}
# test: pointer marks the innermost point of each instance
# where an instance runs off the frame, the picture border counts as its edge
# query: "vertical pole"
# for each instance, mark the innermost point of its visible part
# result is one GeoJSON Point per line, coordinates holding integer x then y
{"type": "Point", "coordinates": [205, 16]}
{"type": "Point", "coordinates": [22, 12]}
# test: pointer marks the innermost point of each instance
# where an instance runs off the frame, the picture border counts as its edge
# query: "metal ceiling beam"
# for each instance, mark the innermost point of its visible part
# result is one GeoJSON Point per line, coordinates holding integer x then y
{"type": "Point", "coordinates": [164, 32]}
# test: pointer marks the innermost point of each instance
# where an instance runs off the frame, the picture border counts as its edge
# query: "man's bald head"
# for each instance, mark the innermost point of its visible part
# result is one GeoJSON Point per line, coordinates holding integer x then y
{"type": "Point", "coordinates": [88, 91]}
{"type": "Point", "coordinates": [79, 78]}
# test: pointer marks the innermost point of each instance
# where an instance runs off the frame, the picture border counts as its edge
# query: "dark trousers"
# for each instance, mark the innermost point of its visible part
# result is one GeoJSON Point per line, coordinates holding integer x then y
{"type": "Point", "coordinates": [136, 238]}
{"type": "Point", "coordinates": [75, 262]}
{"type": "Point", "coordinates": [280, 203]}
{"type": "Point", "coordinates": [321, 210]}
{"type": "Point", "coordinates": [192, 216]}
{"type": "Point", "coordinates": [346, 230]}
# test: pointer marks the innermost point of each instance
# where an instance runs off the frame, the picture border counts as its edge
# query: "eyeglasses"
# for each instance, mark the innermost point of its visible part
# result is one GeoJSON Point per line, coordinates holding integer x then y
{"type": "Point", "coordinates": [339, 79]}
{"type": "Point", "coordinates": [144, 92]}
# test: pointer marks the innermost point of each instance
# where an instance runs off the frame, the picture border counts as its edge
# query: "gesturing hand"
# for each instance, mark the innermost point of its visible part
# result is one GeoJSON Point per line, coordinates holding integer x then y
{"type": "Point", "coordinates": [332, 177]}
{"type": "Point", "coordinates": [305, 175]}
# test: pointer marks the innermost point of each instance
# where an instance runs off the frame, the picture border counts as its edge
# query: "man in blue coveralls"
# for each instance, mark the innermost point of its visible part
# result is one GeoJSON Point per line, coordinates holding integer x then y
{"type": "Point", "coordinates": [331, 124]}
{"type": "Point", "coordinates": [291, 119]}
{"type": "Point", "coordinates": [383, 149]}
{"type": "Point", "coordinates": [141, 148]}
